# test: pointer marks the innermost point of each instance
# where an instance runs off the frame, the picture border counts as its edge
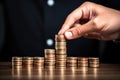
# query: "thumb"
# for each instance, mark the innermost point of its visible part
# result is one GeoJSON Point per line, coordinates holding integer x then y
{"type": "Point", "coordinates": [80, 30]}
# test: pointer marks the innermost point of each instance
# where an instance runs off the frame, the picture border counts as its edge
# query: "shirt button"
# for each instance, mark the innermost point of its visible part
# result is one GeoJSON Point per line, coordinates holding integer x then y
{"type": "Point", "coordinates": [49, 42]}
{"type": "Point", "coordinates": [50, 2]}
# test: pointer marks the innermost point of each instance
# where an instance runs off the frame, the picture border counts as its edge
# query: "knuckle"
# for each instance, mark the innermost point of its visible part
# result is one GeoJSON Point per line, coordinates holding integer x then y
{"type": "Point", "coordinates": [87, 3]}
{"type": "Point", "coordinates": [96, 24]}
{"type": "Point", "coordinates": [78, 31]}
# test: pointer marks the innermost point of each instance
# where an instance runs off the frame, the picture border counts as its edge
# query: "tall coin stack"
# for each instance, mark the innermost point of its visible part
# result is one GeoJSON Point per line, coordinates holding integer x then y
{"type": "Point", "coordinates": [49, 57]}
{"type": "Point", "coordinates": [61, 50]}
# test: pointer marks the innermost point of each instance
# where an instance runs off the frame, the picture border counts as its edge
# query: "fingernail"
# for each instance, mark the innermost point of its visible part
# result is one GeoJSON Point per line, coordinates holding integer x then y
{"type": "Point", "coordinates": [68, 34]}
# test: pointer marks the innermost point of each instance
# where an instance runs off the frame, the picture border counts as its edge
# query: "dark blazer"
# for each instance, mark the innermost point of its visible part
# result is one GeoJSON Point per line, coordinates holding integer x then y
{"type": "Point", "coordinates": [24, 31]}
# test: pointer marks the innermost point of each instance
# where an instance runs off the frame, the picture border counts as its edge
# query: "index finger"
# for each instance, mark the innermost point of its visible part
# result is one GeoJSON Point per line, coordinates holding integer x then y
{"type": "Point", "coordinates": [70, 20]}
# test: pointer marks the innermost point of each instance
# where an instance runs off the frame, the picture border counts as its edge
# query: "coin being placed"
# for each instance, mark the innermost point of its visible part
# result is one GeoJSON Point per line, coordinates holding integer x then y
{"type": "Point", "coordinates": [60, 38]}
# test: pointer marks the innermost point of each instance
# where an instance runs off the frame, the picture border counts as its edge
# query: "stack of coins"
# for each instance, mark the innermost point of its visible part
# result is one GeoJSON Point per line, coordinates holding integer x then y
{"type": "Point", "coordinates": [94, 62]}
{"type": "Point", "coordinates": [38, 61]}
{"type": "Point", "coordinates": [61, 51]}
{"type": "Point", "coordinates": [16, 61]}
{"type": "Point", "coordinates": [27, 61]}
{"type": "Point", "coordinates": [49, 57]}
{"type": "Point", "coordinates": [71, 61]}
{"type": "Point", "coordinates": [56, 58]}
{"type": "Point", "coordinates": [82, 62]}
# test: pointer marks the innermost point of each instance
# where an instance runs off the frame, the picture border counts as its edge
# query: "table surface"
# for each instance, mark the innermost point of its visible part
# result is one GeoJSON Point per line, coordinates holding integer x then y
{"type": "Point", "coordinates": [104, 72]}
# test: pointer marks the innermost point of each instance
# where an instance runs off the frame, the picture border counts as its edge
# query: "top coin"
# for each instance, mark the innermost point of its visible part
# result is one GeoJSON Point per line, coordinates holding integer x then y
{"type": "Point", "coordinates": [27, 58]}
{"type": "Point", "coordinates": [16, 58]}
{"type": "Point", "coordinates": [82, 59]}
{"type": "Point", "coordinates": [93, 58]}
{"type": "Point", "coordinates": [59, 38]}
{"type": "Point", "coordinates": [49, 51]}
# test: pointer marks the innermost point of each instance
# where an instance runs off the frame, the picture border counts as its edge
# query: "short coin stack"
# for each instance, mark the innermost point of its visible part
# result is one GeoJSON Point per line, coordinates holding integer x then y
{"type": "Point", "coordinates": [38, 61]}
{"type": "Point", "coordinates": [27, 61]}
{"type": "Point", "coordinates": [49, 57]}
{"type": "Point", "coordinates": [61, 50]}
{"type": "Point", "coordinates": [82, 62]}
{"type": "Point", "coordinates": [71, 61]}
{"type": "Point", "coordinates": [93, 62]}
{"type": "Point", "coordinates": [16, 61]}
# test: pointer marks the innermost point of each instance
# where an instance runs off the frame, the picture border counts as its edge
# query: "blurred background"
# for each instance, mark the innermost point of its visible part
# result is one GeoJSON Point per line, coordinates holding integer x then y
{"type": "Point", "coordinates": [20, 18]}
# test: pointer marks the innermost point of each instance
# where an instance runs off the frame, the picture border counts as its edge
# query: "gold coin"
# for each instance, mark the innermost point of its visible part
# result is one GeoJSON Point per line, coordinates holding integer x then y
{"type": "Point", "coordinates": [82, 59]}
{"type": "Point", "coordinates": [61, 51]}
{"type": "Point", "coordinates": [60, 38]}
{"type": "Point", "coordinates": [49, 51]}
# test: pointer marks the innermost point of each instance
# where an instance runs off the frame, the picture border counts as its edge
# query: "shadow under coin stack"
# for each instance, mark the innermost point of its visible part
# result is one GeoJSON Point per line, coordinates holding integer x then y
{"type": "Point", "coordinates": [49, 57]}
{"type": "Point", "coordinates": [61, 50]}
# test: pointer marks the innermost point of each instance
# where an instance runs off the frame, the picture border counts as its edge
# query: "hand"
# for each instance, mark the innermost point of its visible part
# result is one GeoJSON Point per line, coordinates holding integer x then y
{"type": "Point", "coordinates": [100, 22]}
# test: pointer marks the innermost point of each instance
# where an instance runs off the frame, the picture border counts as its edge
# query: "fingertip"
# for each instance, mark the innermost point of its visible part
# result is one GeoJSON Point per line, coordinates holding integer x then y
{"type": "Point", "coordinates": [63, 29]}
{"type": "Point", "coordinates": [60, 32]}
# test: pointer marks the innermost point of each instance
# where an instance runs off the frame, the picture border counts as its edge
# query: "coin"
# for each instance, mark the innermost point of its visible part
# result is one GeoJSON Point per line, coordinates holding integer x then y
{"type": "Point", "coordinates": [61, 51]}
{"type": "Point", "coordinates": [60, 38]}
{"type": "Point", "coordinates": [49, 51]}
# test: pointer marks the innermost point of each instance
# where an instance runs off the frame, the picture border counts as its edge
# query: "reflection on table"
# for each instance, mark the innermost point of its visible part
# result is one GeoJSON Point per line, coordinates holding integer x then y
{"type": "Point", "coordinates": [104, 72]}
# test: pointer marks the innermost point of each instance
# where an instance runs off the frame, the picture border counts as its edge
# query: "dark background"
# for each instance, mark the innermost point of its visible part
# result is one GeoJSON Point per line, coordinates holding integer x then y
{"type": "Point", "coordinates": [53, 18]}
